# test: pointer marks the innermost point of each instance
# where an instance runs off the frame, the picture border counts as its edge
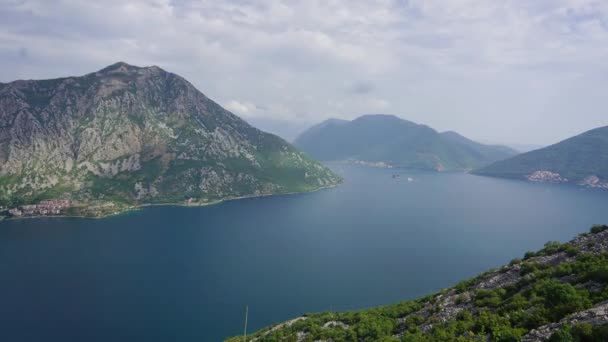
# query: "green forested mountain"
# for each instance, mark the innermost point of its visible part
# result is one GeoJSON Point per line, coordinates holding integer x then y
{"type": "Point", "coordinates": [582, 159]}
{"type": "Point", "coordinates": [137, 135]}
{"type": "Point", "coordinates": [397, 142]}
{"type": "Point", "coordinates": [559, 293]}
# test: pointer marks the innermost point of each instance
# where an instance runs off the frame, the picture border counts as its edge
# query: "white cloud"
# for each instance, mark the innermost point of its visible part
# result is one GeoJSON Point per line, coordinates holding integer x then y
{"type": "Point", "coordinates": [529, 71]}
{"type": "Point", "coordinates": [244, 109]}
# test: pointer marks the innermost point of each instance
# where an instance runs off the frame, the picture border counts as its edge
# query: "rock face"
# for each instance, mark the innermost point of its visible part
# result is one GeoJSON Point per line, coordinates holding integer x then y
{"type": "Point", "coordinates": [389, 140]}
{"type": "Point", "coordinates": [135, 134]}
{"type": "Point", "coordinates": [598, 315]}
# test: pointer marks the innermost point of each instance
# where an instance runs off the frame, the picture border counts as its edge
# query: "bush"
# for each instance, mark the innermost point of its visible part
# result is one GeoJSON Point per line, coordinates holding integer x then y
{"type": "Point", "coordinates": [580, 332]}
{"type": "Point", "coordinates": [373, 327]}
{"type": "Point", "coordinates": [571, 250]}
{"type": "Point", "coordinates": [528, 267]}
{"type": "Point", "coordinates": [562, 335]}
{"type": "Point", "coordinates": [507, 334]}
{"type": "Point", "coordinates": [464, 315]}
{"type": "Point", "coordinates": [516, 302]}
{"type": "Point", "coordinates": [598, 228]}
{"type": "Point", "coordinates": [460, 299]}
{"type": "Point", "coordinates": [561, 298]}
{"type": "Point", "coordinates": [551, 247]}
{"type": "Point", "coordinates": [489, 298]}
{"type": "Point", "coordinates": [515, 261]}
{"type": "Point", "coordinates": [529, 255]}
{"type": "Point", "coordinates": [412, 322]}
{"type": "Point", "coordinates": [464, 285]}
{"type": "Point", "coordinates": [536, 319]}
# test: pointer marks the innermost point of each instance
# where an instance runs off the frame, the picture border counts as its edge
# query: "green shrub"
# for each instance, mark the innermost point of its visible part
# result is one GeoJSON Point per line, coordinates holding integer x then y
{"type": "Point", "coordinates": [551, 247]}
{"type": "Point", "coordinates": [598, 228]}
{"type": "Point", "coordinates": [515, 261]}
{"type": "Point", "coordinates": [562, 335]}
{"type": "Point", "coordinates": [516, 302]}
{"type": "Point", "coordinates": [582, 331]}
{"type": "Point", "coordinates": [464, 285]}
{"type": "Point", "coordinates": [528, 267]}
{"type": "Point", "coordinates": [571, 250]}
{"type": "Point", "coordinates": [529, 255]}
{"type": "Point", "coordinates": [459, 300]}
{"type": "Point", "coordinates": [489, 298]}
{"type": "Point", "coordinates": [561, 298]}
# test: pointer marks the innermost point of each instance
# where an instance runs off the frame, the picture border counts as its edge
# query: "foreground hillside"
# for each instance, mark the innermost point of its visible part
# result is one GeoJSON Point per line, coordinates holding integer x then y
{"type": "Point", "coordinates": [392, 141]}
{"type": "Point", "coordinates": [582, 160]}
{"type": "Point", "coordinates": [131, 135]}
{"type": "Point", "coordinates": [559, 293]}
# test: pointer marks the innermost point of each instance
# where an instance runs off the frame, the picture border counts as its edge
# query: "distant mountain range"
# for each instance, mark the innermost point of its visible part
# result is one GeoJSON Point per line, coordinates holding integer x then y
{"type": "Point", "coordinates": [521, 148]}
{"type": "Point", "coordinates": [137, 135]}
{"type": "Point", "coordinates": [284, 128]}
{"type": "Point", "coordinates": [391, 140]}
{"type": "Point", "coordinates": [582, 159]}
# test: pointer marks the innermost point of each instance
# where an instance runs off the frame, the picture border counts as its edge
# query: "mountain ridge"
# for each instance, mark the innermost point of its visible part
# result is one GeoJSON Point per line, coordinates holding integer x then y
{"type": "Point", "coordinates": [581, 159]}
{"type": "Point", "coordinates": [397, 142]}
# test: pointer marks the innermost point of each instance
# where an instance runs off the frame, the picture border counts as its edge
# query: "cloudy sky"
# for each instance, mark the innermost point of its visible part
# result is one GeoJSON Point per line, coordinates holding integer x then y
{"type": "Point", "coordinates": [498, 71]}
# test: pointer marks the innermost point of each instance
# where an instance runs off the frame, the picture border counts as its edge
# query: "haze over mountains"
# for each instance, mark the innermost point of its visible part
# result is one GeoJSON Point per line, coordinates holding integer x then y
{"type": "Point", "coordinates": [388, 139]}
{"type": "Point", "coordinates": [582, 159]}
{"type": "Point", "coordinates": [135, 134]}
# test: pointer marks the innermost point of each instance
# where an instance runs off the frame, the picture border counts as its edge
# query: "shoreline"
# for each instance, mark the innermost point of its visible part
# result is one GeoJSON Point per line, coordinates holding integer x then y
{"type": "Point", "coordinates": [172, 204]}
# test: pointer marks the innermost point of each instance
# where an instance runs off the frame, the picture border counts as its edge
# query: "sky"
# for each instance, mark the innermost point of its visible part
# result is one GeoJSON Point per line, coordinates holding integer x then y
{"type": "Point", "coordinates": [502, 71]}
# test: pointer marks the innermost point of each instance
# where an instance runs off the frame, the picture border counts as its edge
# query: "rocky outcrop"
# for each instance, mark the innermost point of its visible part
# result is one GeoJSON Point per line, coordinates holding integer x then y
{"type": "Point", "coordinates": [598, 315]}
{"type": "Point", "coordinates": [141, 135]}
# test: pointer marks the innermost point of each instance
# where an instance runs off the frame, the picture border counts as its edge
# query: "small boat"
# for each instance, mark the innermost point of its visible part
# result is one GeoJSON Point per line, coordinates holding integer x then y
{"type": "Point", "coordinates": [410, 179]}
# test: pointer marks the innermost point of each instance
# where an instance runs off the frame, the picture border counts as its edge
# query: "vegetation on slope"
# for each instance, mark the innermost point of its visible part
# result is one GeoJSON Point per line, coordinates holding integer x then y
{"type": "Point", "coordinates": [135, 135]}
{"type": "Point", "coordinates": [558, 293]}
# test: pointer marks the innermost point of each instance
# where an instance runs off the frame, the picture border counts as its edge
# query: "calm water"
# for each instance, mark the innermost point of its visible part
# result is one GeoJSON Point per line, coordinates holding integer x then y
{"type": "Point", "coordinates": [186, 274]}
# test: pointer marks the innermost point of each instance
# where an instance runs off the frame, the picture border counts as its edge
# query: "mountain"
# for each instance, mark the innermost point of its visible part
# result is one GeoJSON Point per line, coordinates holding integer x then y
{"type": "Point", "coordinates": [521, 148]}
{"type": "Point", "coordinates": [582, 159]}
{"type": "Point", "coordinates": [136, 135]}
{"type": "Point", "coordinates": [559, 293]}
{"type": "Point", "coordinates": [396, 142]}
{"type": "Point", "coordinates": [284, 128]}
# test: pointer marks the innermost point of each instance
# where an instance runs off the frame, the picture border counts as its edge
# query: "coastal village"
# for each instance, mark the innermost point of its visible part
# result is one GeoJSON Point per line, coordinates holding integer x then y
{"type": "Point", "coordinates": [543, 176]}
{"type": "Point", "coordinates": [43, 208]}
{"type": "Point", "coordinates": [56, 207]}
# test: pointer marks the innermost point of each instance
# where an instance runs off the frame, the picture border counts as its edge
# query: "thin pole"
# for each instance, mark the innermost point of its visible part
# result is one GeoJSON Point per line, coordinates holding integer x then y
{"type": "Point", "coordinates": [245, 332]}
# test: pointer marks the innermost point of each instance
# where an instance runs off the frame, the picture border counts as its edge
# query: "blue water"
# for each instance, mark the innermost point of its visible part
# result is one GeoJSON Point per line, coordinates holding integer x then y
{"type": "Point", "coordinates": [186, 274]}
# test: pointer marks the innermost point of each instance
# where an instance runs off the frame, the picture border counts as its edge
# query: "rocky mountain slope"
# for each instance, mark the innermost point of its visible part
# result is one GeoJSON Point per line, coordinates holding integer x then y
{"type": "Point", "coordinates": [393, 141]}
{"type": "Point", "coordinates": [582, 160]}
{"type": "Point", "coordinates": [137, 135]}
{"type": "Point", "coordinates": [558, 294]}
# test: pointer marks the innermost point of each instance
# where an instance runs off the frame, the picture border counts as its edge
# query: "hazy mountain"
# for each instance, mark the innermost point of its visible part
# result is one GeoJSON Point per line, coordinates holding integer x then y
{"type": "Point", "coordinates": [582, 159]}
{"type": "Point", "coordinates": [397, 142]}
{"type": "Point", "coordinates": [286, 129]}
{"type": "Point", "coordinates": [522, 148]}
{"type": "Point", "coordinates": [135, 134]}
